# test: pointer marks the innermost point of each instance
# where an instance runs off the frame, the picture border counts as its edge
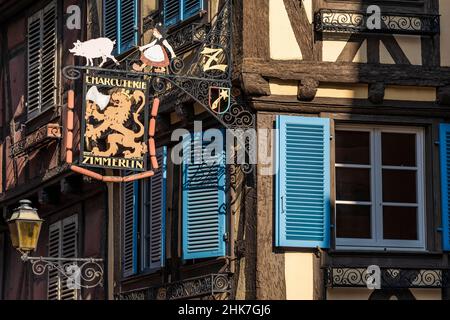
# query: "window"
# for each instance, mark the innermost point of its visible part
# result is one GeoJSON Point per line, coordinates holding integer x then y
{"type": "Point", "coordinates": [144, 210]}
{"type": "Point", "coordinates": [379, 187]}
{"type": "Point", "coordinates": [41, 77]}
{"type": "Point", "coordinates": [120, 23]}
{"type": "Point", "coordinates": [204, 198]}
{"type": "Point", "coordinates": [180, 10]}
{"type": "Point", "coordinates": [62, 243]}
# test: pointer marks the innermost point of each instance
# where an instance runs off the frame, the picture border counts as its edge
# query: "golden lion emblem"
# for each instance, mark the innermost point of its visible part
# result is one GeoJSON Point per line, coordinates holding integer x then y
{"type": "Point", "coordinates": [114, 117]}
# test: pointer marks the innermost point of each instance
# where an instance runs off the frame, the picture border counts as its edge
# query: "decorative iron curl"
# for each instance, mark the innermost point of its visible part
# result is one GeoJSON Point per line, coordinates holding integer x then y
{"type": "Point", "coordinates": [90, 270]}
{"type": "Point", "coordinates": [71, 73]}
{"type": "Point", "coordinates": [176, 65]}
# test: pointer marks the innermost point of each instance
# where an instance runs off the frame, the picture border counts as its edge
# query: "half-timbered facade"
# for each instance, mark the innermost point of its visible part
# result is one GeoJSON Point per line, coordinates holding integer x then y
{"type": "Point", "coordinates": [358, 94]}
{"type": "Point", "coordinates": [349, 100]}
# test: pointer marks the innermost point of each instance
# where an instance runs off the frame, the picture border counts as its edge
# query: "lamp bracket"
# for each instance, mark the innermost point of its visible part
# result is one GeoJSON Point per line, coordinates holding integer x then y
{"type": "Point", "coordinates": [78, 272]}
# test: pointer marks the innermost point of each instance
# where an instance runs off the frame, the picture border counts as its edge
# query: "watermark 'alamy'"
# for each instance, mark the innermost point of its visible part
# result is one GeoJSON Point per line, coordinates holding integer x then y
{"type": "Point", "coordinates": [247, 146]}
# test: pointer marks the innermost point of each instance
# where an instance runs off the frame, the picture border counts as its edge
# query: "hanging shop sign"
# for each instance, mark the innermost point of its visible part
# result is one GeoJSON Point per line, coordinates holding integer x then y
{"type": "Point", "coordinates": [121, 102]}
{"type": "Point", "coordinates": [115, 127]}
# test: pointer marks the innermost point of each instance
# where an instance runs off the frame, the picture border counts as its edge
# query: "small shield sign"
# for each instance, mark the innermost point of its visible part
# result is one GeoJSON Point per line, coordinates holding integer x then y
{"type": "Point", "coordinates": [219, 99]}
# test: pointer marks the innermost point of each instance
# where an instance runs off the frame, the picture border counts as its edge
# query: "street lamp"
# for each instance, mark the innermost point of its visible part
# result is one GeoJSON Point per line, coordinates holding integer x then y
{"type": "Point", "coordinates": [25, 227]}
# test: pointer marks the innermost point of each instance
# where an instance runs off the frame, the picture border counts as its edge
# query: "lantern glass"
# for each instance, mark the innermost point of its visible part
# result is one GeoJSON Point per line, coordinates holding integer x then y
{"type": "Point", "coordinates": [27, 234]}
{"type": "Point", "coordinates": [25, 226]}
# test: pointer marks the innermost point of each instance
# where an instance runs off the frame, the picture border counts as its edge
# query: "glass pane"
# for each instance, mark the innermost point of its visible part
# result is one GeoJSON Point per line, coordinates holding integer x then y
{"type": "Point", "coordinates": [399, 186]}
{"type": "Point", "coordinates": [398, 149]}
{"type": "Point", "coordinates": [352, 184]}
{"type": "Point", "coordinates": [399, 223]}
{"type": "Point", "coordinates": [352, 147]}
{"type": "Point", "coordinates": [353, 221]}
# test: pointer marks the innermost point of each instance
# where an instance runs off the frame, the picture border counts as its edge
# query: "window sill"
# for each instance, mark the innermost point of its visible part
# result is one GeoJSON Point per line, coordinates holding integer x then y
{"type": "Point", "coordinates": [380, 251]}
{"type": "Point", "coordinates": [41, 119]}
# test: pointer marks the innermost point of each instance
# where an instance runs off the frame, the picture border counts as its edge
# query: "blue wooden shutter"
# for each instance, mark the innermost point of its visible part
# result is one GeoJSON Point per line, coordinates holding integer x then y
{"type": "Point", "coordinates": [110, 19]}
{"type": "Point", "coordinates": [191, 8]}
{"type": "Point", "coordinates": [130, 230]}
{"type": "Point", "coordinates": [204, 202]}
{"type": "Point", "coordinates": [445, 184]}
{"type": "Point", "coordinates": [154, 220]}
{"type": "Point", "coordinates": [121, 23]}
{"type": "Point", "coordinates": [128, 20]}
{"type": "Point", "coordinates": [303, 182]}
{"type": "Point", "coordinates": [171, 12]}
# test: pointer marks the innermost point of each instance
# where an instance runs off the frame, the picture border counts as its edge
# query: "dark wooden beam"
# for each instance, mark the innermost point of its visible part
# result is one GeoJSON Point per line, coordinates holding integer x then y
{"type": "Point", "coordinates": [351, 48]}
{"type": "Point", "coordinates": [376, 92]}
{"type": "Point", "coordinates": [300, 25]}
{"type": "Point", "coordinates": [256, 35]}
{"type": "Point", "coordinates": [395, 50]}
{"type": "Point", "coordinates": [255, 85]}
{"type": "Point", "coordinates": [351, 107]}
{"type": "Point", "coordinates": [307, 89]}
{"type": "Point", "coordinates": [345, 72]}
{"type": "Point", "coordinates": [443, 95]}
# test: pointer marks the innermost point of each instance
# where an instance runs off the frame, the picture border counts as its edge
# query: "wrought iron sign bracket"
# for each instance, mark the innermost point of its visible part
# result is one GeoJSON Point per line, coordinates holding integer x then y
{"type": "Point", "coordinates": [207, 81]}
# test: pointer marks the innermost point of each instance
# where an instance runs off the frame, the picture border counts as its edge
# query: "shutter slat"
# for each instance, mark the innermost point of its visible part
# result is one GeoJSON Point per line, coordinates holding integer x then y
{"type": "Point", "coordinates": [191, 8]}
{"type": "Point", "coordinates": [34, 61]}
{"type": "Point", "coordinates": [42, 59]}
{"type": "Point", "coordinates": [204, 199]}
{"type": "Point", "coordinates": [445, 183]}
{"type": "Point", "coordinates": [157, 196]}
{"type": "Point", "coordinates": [127, 24]}
{"type": "Point", "coordinates": [62, 243]}
{"type": "Point", "coordinates": [54, 250]}
{"type": "Point", "coordinates": [303, 182]}
{"type": "Point", "coordinates": [69, 249]}
{"type": "Point", "coordinates": [172, 13]}
{"type": "Point", "coordinates": [110, 15]}
{"type": "Point", "coordinates": [130, 212]}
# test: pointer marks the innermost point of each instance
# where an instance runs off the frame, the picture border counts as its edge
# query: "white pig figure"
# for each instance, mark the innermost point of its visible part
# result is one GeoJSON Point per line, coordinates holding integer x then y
{"type": "Point", "coordinates": [95, 48]}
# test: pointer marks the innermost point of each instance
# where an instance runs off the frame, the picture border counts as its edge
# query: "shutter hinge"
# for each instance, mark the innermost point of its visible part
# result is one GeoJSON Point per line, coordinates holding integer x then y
{"type": "Point", "coordinates": [331, 137]}
{"type": "Point", "coordinates": [226, 236]}
{"type": "Point", "coordinates": [437, 143]}
{"type": "Point", "coordinates": [439, 229]}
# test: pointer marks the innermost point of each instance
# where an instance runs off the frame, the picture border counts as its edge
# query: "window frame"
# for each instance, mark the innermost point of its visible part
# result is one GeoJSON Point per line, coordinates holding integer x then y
{"type": "Point", "coordinates": [377, 242]}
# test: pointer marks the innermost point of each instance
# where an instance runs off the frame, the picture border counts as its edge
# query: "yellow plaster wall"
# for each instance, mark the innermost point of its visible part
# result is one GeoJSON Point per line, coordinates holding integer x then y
{"type": "Point", "coordinates": [331, 49]}
{"type": "Point", "coordinates": [299, 273]}
{"type": "Point", "coordinates": [283, 88]}
{"type": "Point", "coordinates": [412, 48]}
{"type": "Point", "coordinates": [361, 55]}
{"type": "Point", "coordinates": [309, 9]}
{"type": "Point", "coordinates": [347, 91]}
{"type": "Point", "coordinates": [444, 10]}
{"type": "Point", "coordinates": [385, 56]}
{"type": "Point", "coordinates": [283, 44]}
{"type": "Point", "coordinates": [424, 94]}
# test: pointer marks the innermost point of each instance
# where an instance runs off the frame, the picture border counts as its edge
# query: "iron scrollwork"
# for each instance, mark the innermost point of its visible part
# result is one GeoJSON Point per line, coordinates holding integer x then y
{"type": "Point", "coordinates": [210, 67]}
{"type": "Point", "coordinates": [208, 285]}
{"type": "Point", "coordinates": [84, 273]}
{"type": "Point", "coordinates": [391, 278]}
{"type": "Point", "coordinates": [346, 21]}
